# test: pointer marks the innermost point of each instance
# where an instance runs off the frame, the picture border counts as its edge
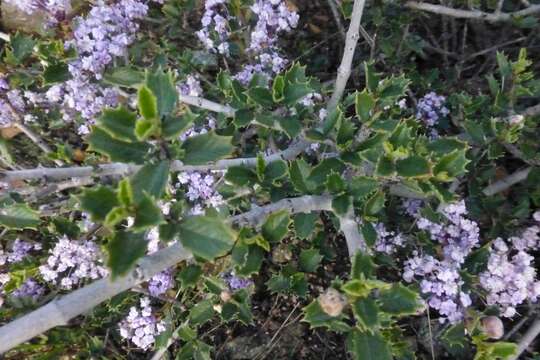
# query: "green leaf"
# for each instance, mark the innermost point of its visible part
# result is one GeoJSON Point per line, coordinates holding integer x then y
{"type": "Point", "coordinates": [56, 72]}
{"type": "Point", "coordinates": [364, 103]}
{"type": "Point", "coordinates": [124, 249]}
{"type": "Point", "coordinates": [374, 204]}
{"type": "Point", "coordinates": [453, 164]}
{"type": "Point", "coordinates": [372, 78]}
{"type": "Point", "coordinates": [291, 125]}
{"type": "Point", "coordinates": [366, 312]}
{"type": "Point", "coordinates": [362, 266]}
{"type": "Point", "coordinates": [275, 170]}
{"type": "Point", "coordinates": [298, 173]}
{"type": "Point", "coordinates": [19, 216]}
{"type": "Point", "coordinates": [123, 76]}
{"type": "Point", "coordinates": [357, 288]}
{"type": "Point", "coordinates": [190, 275]}
{"type": "Point", "coordinates": [335, 183]}
{"type": "Point", "coordinates": [117, 150]}
{"type": "Point", "coordinates": [150, 179]}
{"type": "Point", "coordinates": [369, 233]}
{"type": "Point", "coordinates": [201, 312]}
{"type": "Point", "coordinates": [98, 202]}
{"type": "Point", "coordinates": [147, 103]}
{"type": "Point", "coordinates": [293, 92]}
{"type": "Point", "coordinates": [316, 317]}
{"type": "Point", "coordinates": [119, 123]}
{"type": "Point", "coordinates": [366, 346]}
{"type": "Point", "coordinates": [207, 237]}
{"type": "Point", "coordinates": [21, 47]}
{"type": "Point", "coordinates": [385, 167]}
{"type": "Point", "coordinates": [341, 204]}
{"type": "Point", "coordinates": [125, 192]}
{"type": "Point", "coordinates": [304, 224]}
{"type": "Point", "coordinates": [241, 176]}
{"type": "Point", "coordinates": [261, 96]}
{"type": "Point", "coordinates": [115, 216]}
{"type": "Point", "coordinates": [361, 186]}
{"type": "Point", "coordinates": [206, 148]}
{"type": "Point", "coordinates": [145, 129]}
{"type": "Point", "coordinates": [173, 126]}
{"type": "Point", "coordinates": [413, 167]}
{"type": "Point", "coordinates": [162, 86]}
{"type": "Point", "coordinates": [276, 226]}
{"type": "Point", "coordinates": [147, 214]}
{"type": "Point", "coordinates": [399, 300]}
{"type": "Point", "coordinates": [278, 87]}
{"type": "Point", "coordinates": [309, 260]}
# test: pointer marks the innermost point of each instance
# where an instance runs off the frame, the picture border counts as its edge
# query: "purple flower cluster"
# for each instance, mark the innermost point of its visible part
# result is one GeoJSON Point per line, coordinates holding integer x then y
{"type": "Point", "coordinates": [215, 26]}
{"type": "Point", "coordinates": [200, 190]}
{"type": "Point", "coordinates": [56, 9]}
{"type": "Point", "coordinates": [4, 279]}
{"type": "Point", "coordinates": [141, 327]}
{"type": "Point", "coordinates": [510, 278]}
{"type": "Point", "coordinates": [160, 283]}
{"type": "Point", "coordinates": [273, 18]}
{"type": "Point", "coordinates": [29, 289]}
{"type": "Point", "coordinates": [104, 34]}
{"type": "Point", "coordinates": [19, 250]}
{"type": "Point", "coordinates": [190, 87]}
{"type": "Point", "coordinates": [387, 242]}
{"type": "Point", "coordinates": [234, 282]}
{"type": "Point", "coordinates": [70, 262]}
{"type": "Point", "coordinates": [431, 108]}
{"type": "Point", "coordinates": [440, 280]}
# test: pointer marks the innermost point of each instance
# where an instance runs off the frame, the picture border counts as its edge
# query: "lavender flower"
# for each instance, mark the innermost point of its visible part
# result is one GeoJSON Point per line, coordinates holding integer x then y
{"type": "Point", "coordinates": [160, 283]}
{"type": "Point", "coordinates": [56, 9]}
{"type": "Point", "coordinates": [141, 327]}
{"type": "Point", "coordinates": [29, 289]}
{"type": "Point", "coordinates": [234, 282]}
{"type": "Point", "coordinates": [440, 280]}
{"type": "Point", "coordinates": [70, 262]}
{"type": "Point", "coordinates": [215, 31]}
{"type": "Point", "coordinates": [191, 86]}
{"type": "Point", "coordinates": [510, 278]}
{"type": "Point", "coordinates": [387, 241]}
{"type": "Point", "coordinates": [200, 190]}
{"type": "Point", "coordinates": [431, 108]}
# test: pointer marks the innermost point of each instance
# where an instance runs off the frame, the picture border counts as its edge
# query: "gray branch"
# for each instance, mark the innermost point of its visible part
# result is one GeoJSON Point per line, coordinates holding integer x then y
{"type": "Point", "coordinates": [472, 14]}
{"type": "Point", "coordinates": [527, 339]}
{"type": "Point", "coordinates": [59, 311]}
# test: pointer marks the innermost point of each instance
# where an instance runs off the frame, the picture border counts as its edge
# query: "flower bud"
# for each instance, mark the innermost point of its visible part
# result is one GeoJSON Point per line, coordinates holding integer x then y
{"type": "Point", "coordinates": [332, 302]}
{"type": "Point", "coordinates": [225, 296]}
{"type": "Point", "coordinates": [493, 327]}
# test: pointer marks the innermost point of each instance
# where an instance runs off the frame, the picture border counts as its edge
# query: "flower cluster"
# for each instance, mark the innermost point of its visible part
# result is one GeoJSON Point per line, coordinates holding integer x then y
{"type": "Point", "coordinates": [191, 86]}
{"type": "Point", "coordinates": [141, 327]}
{"type": "Point", "coordinates": [19, 250]}
{"type": "Point", "coordinates": [70, 262]}
{"type": "Point", "coordinates": [273, 18]}
{"type": "Point", "coordinates": [104, 34]}
{"type": "Point", "coordinates": [200, 190]}
{"type": "Point", "coordinates": [387, 241]}
{"type": "Point", "coordinates": [440, 280]}
{"type": "Point", "coordinates": [160, 283]}
{"type": "Point", "coordinates": [234, 282]}
{"type": "Point", "coordinates": [431, 108]}
{"type": "Point", "coordinates": [510, 278]}
{"type": "Point", "coordinates": [29, 289]}
{"type": "Point", "coordinates": [56, 9]}
{"type": "Point", "coordinates": [215, 31]}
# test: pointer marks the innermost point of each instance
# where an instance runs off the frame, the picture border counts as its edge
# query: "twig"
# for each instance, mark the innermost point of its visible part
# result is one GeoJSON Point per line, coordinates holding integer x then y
{"type": "Point", "coordinates": [349, 227]}
{"type": "Point", "coordinates": [125, 169]}
{"type": "Point", "coordinates": [59, 311]}
{"type": "Point", "coordinates": [344, 70]}
{"type": "Point", "coordinates": [472, 14]}
{"type": "Point", "coordinates": [207, 104]}
{"type": "Point", "coordinates": [36, 139]}
{"type": "Point", "coordinates": [337, 18]}
{"type": "Point", "coordinates": [527, 339]}
{"type": "Point", "coordinates": [507, 182]}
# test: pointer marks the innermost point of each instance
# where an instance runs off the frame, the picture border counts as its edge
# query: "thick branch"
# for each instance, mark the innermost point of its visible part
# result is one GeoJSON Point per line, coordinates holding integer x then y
{"type": "Point", "coordinates": [472, 14]}
{"type": "Point", "coordinates": [126, 169]}
{"type": "Point", "coordinates": [349, 227]}
{"type": "Point", "coordinates": [207, 104]}
{"type": "Point", "coordinates": [506, 182]}
{"type": "Point", "coordinates": [344, 70]}
{"type": "Point", "coordinates": [59, 311]}
{"type": "Point", "coordinates": [527, 339]}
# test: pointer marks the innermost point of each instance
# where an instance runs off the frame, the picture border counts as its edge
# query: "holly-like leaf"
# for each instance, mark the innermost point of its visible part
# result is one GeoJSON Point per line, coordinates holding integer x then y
{"type": "Point", "coordinates": [374, 204]}
{"type": "Point", "coordinates": [147, 214]}
{"type": "Point", "coordinates": [123, 76]}
{"type": "Point", "coordinates": [399, 300]}
{"type": "Point", "coordinates": [362, 266]}
{"type": "Point", "coordinates": [190, 275]}
{"type": "Point", "coordinates": [124, 249]}
{"type": "Point", "coordinates": [117, 150]}
{"type": "Point", "coordinates": [147, 104]}
{"type": "Point", "coordinates": [309, 260]}
{"type": "Point", "coordinates": [366, 312]}
{"type": "Point", "coordinates": [413, 167]}
{"type": "Point", "coordinates": [162, 86]}
{"type": "Point", "coordinates": [98, 202]}
{"type": "Point", "coordinates": [453, 164]}
{"type": "Point", "coordinates": [206, 148]}
{"type": "Point", "coordinates": [150, 179]}
{"type": "Point", "coordinates": [19, 216]}
{"type": "Point", "coordinates": [316, 317]}
{"type": "Point", "coordinates": [367, 346]}
{"type": "Point", "coordinates": [304, 224]}
{"type": "Point", "coordinates": [276, 226]}
{"type": "Point", "coordinates": [172, 126]}
{"type": "Point", "coordinates": [119, 123]}
{"type": "Point", "coordinates": [207, 237]}
{"type": "Point", "coordinates": [364, 103]}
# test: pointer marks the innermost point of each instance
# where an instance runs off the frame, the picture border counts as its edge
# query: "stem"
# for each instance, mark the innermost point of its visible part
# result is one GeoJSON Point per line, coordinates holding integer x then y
{"type": "Point", "coordinates": [472, 14]}
{"type": "Point", "coordinates": [527, 339]}
{"type": "Point", "coordinates": [207, 104]}
{"type": "Point", "coordinates": [507, 182]}
{"type": "Point", "coordinates": [59, 311]}
{"type": "Point", "coordinates": [344, 70]}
